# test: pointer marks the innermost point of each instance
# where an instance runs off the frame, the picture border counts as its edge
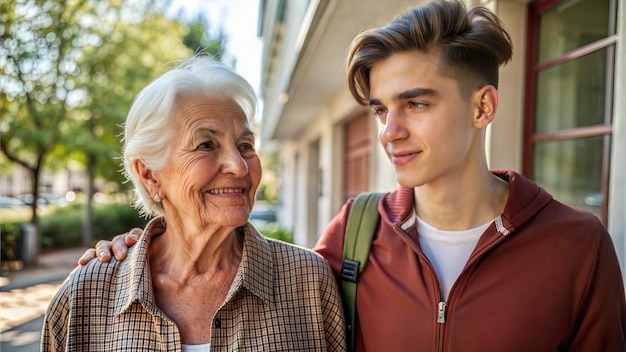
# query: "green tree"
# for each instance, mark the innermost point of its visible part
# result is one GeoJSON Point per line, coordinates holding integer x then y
{"type": "Point", "coordinates": [39, 47]}
{"type": "Point", "coordinates": [199, 39]}
{"type": "Point", "coordinates": [68, 73]}
{"type": "Point", "coordinates": [127, 59]}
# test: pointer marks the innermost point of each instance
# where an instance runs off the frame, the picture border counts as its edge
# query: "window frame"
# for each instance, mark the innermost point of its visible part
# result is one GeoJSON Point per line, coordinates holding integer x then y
{"type": "Point", "coordinates": [530, 138]}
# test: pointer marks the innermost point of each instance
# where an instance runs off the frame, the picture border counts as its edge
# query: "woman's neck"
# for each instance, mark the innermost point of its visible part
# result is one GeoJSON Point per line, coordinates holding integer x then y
{"type": "Point", "coordinates": [187, 252]}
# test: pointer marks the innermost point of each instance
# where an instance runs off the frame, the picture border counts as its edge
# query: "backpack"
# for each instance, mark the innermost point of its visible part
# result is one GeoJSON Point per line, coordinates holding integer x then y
{"type": "Point", "coordinates": [360, 229]}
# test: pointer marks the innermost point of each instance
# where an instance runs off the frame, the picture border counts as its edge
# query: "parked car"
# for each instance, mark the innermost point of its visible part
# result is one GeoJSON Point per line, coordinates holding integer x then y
{"type": "Point", "coordinates": [11, 202]}
{"type": "Point", "coordinates": [44, 199]}
{"type": "Point", "coordinates": [262, 214]}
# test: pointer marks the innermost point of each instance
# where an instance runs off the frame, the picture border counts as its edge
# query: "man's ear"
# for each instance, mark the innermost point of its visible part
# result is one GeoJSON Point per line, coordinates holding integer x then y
{"type": "Point", "coordinates": [486, 104]}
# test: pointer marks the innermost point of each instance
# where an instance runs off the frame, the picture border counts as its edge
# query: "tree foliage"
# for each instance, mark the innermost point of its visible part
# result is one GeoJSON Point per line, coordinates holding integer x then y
{"type": "Point", "coordinates": [197, 38]}
{"type": "Point", "coordinates": [69, 70]}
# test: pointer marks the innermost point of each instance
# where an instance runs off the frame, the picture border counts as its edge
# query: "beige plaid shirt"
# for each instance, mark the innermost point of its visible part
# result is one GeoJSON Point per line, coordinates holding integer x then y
{"type": "Point", "coordinates": [283, 298]}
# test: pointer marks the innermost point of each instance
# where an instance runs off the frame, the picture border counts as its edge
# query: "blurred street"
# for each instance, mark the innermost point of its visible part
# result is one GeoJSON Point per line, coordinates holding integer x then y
{"type": "Point", "coordinates": [24, 297]}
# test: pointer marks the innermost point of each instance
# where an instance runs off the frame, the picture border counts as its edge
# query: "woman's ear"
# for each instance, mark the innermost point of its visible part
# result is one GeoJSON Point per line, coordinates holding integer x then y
{"type": "Point", "coordinates": [486, 102]}
{"type": "Point", "coordinates": [145, 174]}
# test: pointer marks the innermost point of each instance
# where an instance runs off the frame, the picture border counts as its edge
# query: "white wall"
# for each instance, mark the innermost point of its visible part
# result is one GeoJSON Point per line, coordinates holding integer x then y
{"type": "Point", "coordinates": [288, 179]}
{"type": "Point", "coordinates": [505, 134]}
{"type": "Point", "coordinates": [617, 183]}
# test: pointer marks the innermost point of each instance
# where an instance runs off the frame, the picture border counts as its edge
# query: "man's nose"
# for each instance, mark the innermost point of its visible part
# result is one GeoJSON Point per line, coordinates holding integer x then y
{"type": "Point", "coordinates": [395, 126]}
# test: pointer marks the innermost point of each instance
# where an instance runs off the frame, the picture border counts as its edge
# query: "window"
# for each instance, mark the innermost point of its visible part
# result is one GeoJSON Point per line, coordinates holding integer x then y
{"type": "Point", "coordinates": [568, 127]}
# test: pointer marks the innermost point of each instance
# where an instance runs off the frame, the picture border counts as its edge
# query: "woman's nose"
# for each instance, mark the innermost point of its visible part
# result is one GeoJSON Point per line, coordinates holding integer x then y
{"type": "Point", "coordinates": [234, 163]}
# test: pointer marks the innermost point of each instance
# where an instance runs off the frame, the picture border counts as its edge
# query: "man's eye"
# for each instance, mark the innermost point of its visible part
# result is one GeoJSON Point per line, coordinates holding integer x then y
{"type": "Point", "coordinates": [417, 105]}
{"type": "Point", "coordinates": [378, 112]}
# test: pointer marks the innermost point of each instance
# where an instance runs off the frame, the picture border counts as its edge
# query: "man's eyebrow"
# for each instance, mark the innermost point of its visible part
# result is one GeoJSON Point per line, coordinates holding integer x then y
{"type": "Point", "coordinates": [375, 102]}
{"type": "Point", "coordinates": [414, 93]}
{"type": "Point", "coordinates": [408, 94]}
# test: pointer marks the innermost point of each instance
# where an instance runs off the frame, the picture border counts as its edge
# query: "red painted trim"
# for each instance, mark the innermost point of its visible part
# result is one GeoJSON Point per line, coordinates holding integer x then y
{"type": "Point", "coordinates": [545, 5]}
{"type": "Point", "coordinates": [535, 9]}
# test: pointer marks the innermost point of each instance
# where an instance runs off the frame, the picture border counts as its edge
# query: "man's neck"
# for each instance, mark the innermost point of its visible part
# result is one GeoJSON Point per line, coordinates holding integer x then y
{"type": "Point", "coordinates": [463, 203]}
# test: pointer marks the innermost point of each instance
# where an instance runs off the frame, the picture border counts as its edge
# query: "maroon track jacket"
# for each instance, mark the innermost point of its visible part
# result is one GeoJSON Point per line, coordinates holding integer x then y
{"type": "Point", "coordinates": [548, 281]}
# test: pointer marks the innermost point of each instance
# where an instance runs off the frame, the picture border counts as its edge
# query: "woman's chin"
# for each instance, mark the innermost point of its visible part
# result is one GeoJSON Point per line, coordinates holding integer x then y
{"type": "Point", "coordinates": [235, 220]}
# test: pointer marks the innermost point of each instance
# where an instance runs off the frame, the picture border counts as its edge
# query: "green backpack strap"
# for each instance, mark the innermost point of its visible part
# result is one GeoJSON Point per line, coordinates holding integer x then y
{"type": "Point", "coordinates": [362, 222]}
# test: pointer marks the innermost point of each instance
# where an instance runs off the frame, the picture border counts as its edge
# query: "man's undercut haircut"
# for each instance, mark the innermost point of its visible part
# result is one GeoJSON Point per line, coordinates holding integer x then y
{"type": "Point", "coordinates": [470, 45]}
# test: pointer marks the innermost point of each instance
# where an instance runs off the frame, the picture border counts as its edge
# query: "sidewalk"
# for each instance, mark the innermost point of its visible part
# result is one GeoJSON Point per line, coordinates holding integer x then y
{"type": "Point", "coordinates": [25, 295]}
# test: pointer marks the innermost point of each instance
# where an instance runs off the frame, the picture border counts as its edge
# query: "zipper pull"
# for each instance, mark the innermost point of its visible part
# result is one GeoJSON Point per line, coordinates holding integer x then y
{"type": "Point", "coordinates": [441, 312]}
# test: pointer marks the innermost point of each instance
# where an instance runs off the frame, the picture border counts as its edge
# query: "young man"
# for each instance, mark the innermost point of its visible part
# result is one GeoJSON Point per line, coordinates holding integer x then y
{"type": "Point", "coordinates": [464, 258]}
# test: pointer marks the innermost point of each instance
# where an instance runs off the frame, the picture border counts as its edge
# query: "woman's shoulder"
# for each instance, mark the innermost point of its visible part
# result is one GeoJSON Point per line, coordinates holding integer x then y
{"type": "Point", "coordinates": [94, 274]}
{"type": "Point", "coordinates": [88, 289]}
{"type": "Point", "coordinates": [294, 254]}
{"type": "Point", "coordinates": [283, 254]}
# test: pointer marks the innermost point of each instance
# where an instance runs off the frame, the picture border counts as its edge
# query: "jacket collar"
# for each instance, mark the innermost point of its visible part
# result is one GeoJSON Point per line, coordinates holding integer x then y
{"type": "Point", "coordinates": [133, 280]}
{"type": "Point", "coordinates": [526, 198]}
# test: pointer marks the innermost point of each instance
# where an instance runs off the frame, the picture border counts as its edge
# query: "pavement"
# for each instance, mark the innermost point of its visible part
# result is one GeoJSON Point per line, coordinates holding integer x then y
{"type": "Point", "coordinates": [25, 295]}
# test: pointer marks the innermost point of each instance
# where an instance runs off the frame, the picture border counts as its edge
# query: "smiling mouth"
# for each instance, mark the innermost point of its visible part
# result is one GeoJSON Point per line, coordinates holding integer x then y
{"type": "Point", "coordinates": [403, 159]}
{"type": "Point", "coordinates": [404, 154]}
{"type": "Point", "coordinates": [226, 190]}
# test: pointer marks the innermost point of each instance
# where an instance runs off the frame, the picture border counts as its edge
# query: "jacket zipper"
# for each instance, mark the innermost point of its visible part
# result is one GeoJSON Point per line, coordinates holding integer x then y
{"type": "Point", "coordinates": [441, 306]}
{"type": "Point", "coordinates": [441, 312]}
{"type": "Point", "coordinates": [469, 266]}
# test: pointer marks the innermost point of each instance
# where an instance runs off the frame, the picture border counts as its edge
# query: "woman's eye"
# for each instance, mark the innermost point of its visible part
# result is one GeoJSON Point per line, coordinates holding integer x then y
{"type": "Point", "coordinates": [246, 147]}
{"type": "Point", "coordinates": [207, 145]}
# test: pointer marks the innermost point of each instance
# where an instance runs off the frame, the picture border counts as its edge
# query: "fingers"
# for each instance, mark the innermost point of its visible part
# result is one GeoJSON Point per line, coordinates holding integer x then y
{"type": "Point", "coordinates": [87, 256]}
{"type": "Point", "coordinates": [103, 250]}
{"type": "Point", "coordinates": [133, 236]}
{"type": "Point", "coordinates": [121, 243]}
{"type": "Point", "coordinates": [118, 246]}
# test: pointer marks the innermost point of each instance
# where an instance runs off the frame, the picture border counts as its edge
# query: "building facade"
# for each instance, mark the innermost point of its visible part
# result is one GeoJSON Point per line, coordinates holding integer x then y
{"type": "Point", "coordinates": [561, 118]}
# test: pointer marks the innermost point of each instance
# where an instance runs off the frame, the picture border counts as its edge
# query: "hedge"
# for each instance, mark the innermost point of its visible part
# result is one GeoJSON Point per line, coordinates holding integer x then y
{"type": "Point", "coordinates": [63, 228]}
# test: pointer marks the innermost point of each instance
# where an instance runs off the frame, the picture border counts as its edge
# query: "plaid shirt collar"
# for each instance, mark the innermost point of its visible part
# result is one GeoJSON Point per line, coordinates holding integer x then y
{"type": "Point", "coordinates": [255, 272]}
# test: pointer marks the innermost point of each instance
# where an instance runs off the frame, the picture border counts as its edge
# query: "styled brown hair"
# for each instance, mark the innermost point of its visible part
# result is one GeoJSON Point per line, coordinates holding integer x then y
{"type": "Point", "coordinates": [470, 44]}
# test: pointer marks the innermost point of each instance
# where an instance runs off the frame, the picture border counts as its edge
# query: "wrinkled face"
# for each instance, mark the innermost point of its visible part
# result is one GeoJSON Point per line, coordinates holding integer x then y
{"type": "Point", "coordinates": [425, 126]}
{"type": "Point", "coordinates": [213, 172]}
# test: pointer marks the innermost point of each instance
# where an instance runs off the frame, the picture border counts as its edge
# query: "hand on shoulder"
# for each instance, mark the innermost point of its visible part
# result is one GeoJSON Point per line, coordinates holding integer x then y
{"type": "Point", "coordinates": [118, 247]}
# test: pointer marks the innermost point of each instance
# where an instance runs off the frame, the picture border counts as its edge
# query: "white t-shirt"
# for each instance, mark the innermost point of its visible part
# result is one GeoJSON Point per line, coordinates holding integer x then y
{"type": "Point", "coordinates": [205, 347]}
{"type": "Point", "coordinates": [448, 251]}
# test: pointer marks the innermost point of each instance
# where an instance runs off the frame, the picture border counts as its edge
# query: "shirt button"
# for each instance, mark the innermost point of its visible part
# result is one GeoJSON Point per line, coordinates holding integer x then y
{"type": "Point", "coordinates": [218, 323]}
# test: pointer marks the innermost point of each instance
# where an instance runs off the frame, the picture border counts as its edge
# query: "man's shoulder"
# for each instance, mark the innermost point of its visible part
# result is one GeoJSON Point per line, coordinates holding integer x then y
{"type": "Point", "coordinates": [564, 213]}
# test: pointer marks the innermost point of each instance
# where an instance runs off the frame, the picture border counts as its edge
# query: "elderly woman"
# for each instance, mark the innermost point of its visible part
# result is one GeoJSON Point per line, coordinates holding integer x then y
{"type": "Point", "coordinates": [200, 277]}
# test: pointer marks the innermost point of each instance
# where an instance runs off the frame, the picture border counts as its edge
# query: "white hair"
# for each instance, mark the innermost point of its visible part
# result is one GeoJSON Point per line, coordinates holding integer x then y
{"type": "Point", "coordinates": [151, 123]}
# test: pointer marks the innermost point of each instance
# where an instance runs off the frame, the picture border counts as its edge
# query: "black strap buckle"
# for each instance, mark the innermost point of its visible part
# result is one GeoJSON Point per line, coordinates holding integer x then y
{"type": "Point", "coordinates": [350, 270]}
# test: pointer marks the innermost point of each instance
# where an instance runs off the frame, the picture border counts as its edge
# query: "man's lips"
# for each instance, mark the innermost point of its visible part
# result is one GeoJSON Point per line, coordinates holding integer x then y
{"type": "Point", "coordinates": [403, 158]}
